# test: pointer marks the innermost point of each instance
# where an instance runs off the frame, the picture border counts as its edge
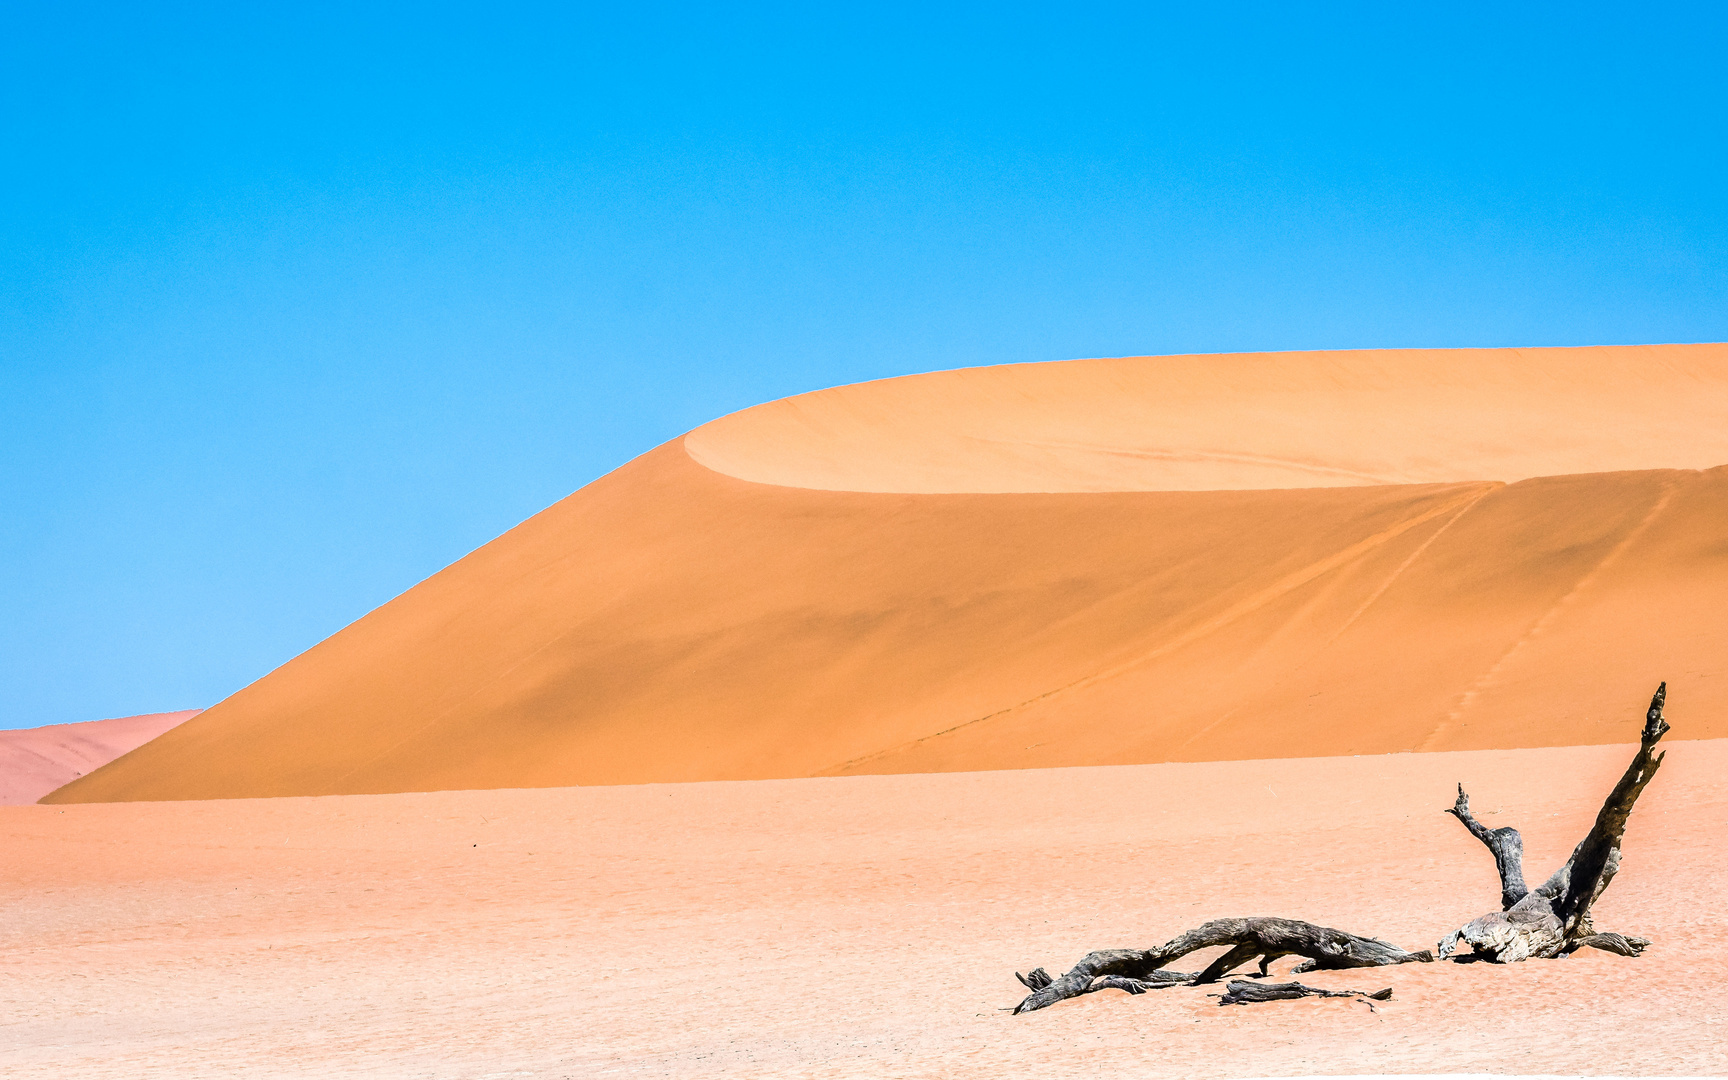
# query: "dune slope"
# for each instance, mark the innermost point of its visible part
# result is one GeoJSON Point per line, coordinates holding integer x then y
{"type": "Point", "coordinates": [676, 622]}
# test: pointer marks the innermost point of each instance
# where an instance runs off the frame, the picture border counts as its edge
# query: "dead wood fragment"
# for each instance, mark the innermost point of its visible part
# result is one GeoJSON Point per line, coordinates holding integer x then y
{"type": "Point", "coordinates": [1266, 938]}
{"type": "Point", "coordinates": [1614, 943]}
{"type": "Point", "coordinates": [1242, 992]}
{"type": "Point", "coordinates": [1133, 970]}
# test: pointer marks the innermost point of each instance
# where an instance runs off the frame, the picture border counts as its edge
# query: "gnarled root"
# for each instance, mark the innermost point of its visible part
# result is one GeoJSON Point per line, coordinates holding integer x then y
{"type": "Point", "coordinates": [1507, 937]}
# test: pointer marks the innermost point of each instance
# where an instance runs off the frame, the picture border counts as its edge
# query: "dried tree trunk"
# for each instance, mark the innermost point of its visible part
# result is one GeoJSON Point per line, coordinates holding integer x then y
{"type": "Point", "coordinates": [1139, 970]}
{"type": "Point", "coordinates": [1554, 918]}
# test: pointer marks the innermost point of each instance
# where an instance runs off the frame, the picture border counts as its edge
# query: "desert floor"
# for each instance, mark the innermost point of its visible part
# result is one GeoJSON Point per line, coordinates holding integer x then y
{"type": "Point", "coordinates": [850, 926]}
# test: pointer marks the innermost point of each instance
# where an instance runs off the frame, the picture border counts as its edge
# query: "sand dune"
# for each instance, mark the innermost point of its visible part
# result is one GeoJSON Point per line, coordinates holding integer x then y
{"type": "Point", "coordinates": [1100, 562]}
{"type": "Point", "coordinates": [35, 761]}
{"type": "Point", "coordinates": [848, 927]}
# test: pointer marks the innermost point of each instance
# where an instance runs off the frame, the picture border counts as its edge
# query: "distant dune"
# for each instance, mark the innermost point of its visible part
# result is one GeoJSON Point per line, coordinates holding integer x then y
{"type": "Point", "coordinates": [35, 761]}
{"type": "Point", "coordinates": [1087, 563]}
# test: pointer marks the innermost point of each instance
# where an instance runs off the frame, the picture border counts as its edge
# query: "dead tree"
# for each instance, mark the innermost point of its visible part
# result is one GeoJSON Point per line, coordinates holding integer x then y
{"type": "Point", "coordinates": [1554, 918]}
{"type": "Point", "coordinates": [1551, 920]}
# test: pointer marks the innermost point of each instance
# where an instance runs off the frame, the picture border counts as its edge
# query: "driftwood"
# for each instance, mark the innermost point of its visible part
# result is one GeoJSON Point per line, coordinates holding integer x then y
{"type": "Point", "coordinates": [1242, 992]}
{"type": "Point", "coordinates": [1550, 920]}
{"type": "Point", "coordinates": [1139, 970]}
{"type": "Point", "coordinates": [1554, 918]}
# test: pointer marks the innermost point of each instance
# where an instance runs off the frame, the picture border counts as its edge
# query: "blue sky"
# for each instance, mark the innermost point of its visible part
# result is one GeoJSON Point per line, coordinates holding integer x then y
{"type": "Point", "coordinates": [299, 304]}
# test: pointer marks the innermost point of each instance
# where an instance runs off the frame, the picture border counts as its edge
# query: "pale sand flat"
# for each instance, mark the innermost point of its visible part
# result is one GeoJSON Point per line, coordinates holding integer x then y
{"type": "Point", "coordinates": [850, 927]}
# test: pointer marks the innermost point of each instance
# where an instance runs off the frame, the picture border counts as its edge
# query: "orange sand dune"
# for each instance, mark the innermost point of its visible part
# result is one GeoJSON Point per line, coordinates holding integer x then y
{"type": "Point", "coordinates": [1512, 549]}
{"type": "Point", "coordinates": [35, 761]}
{"type": "Point", "coordinates": [849, 927]}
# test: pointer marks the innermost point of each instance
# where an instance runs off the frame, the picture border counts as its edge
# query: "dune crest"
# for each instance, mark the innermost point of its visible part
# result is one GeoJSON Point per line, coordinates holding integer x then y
{"type": "Point", "coordinates": [675, 622]}
{"type": "Point", "coordinates": [1241, 422]}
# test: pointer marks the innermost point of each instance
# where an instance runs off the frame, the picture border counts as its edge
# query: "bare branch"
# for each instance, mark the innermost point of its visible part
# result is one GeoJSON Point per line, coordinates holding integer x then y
{"type": "Point", "coordinates": [1506, 845]}
{"type": "Point", "coordinates": [1596, 859]}
{"type": "Point", "coordinates": [1240, 992]}
{"type": "Point", "coordinates": [1269, 939]}
{"type": "Point", "coordinates": [1134, 970]}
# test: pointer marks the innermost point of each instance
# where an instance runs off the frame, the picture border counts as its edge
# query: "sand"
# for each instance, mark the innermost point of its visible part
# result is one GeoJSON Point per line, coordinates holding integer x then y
{"type": "Point", "coordinates": [35, 761]}
{"type": "Point", "coordinates": [858, 926]}
{"type": "Point", "coordinates": [729, 606]}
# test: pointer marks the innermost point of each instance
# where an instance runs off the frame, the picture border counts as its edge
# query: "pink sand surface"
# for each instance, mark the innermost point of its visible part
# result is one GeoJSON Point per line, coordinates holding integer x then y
{"type": "Point", "coordinates": [35, 761]}
{"type": "Point", "coordinates": [863, 926]}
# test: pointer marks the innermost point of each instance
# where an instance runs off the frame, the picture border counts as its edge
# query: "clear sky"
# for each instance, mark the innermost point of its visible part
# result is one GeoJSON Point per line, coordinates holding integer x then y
{"type": "Point", "coordinates": [299, 304]}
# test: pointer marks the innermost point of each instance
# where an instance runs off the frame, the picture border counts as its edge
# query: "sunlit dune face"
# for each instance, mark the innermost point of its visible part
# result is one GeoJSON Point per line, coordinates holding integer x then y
{"type": "Point", "coordinates": [1241, 422]}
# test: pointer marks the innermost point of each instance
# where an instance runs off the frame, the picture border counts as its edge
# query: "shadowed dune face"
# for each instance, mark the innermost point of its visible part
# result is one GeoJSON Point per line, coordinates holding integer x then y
{"type": "Point", "coordinates": [673, 621]}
